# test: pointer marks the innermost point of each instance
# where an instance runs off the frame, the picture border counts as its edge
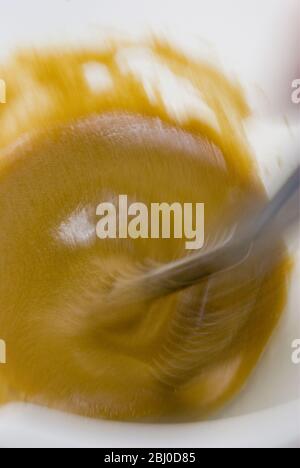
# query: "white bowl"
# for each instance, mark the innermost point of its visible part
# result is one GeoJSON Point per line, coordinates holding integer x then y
{"type": "Point", "coordinates": [267, 412]}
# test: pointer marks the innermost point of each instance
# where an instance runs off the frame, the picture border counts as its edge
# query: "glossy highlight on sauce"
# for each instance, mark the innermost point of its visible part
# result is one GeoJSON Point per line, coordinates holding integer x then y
{"type": "Point", "coordinates": [68, 144]}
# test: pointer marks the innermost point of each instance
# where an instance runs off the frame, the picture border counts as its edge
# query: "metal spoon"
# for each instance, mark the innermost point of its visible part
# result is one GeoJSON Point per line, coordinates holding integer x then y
{"type": "Point", "coordinates": [263, 231]}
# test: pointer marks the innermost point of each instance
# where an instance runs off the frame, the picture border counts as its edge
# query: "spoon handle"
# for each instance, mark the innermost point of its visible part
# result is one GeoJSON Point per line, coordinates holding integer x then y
{"type": "Point", "coordinates": [276, 209]}
{"type": "Point", "coordinates": [267, 225]}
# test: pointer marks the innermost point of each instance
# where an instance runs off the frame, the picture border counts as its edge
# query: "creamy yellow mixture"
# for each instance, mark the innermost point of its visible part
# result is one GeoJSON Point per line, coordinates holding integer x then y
{"type": "Point", "coordinates": [65, 147]}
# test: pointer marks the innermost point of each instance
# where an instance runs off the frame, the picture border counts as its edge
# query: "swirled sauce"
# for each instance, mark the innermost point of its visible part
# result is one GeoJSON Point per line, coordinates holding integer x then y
{"type": "Point", "coordinates": [70, 140]}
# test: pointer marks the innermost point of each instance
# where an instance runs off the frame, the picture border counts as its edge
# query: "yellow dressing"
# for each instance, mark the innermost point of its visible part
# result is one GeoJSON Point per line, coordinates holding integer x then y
{"type": "Point", "coordinates": [64, 148]}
